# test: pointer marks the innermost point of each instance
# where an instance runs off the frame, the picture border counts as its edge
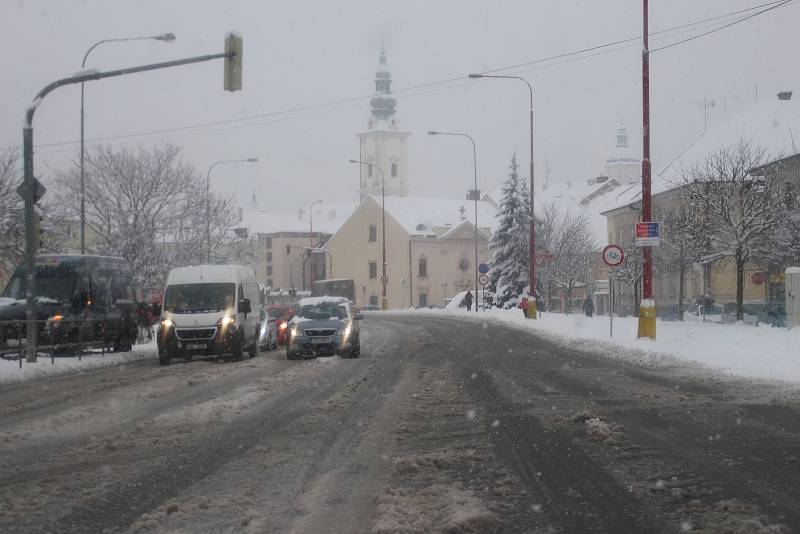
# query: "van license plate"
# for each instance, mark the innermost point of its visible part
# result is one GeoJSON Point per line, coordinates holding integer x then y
{"type": "Point", "coordinates": [320, 340]}
{"type": "Point", "coordinates": [195, 346]}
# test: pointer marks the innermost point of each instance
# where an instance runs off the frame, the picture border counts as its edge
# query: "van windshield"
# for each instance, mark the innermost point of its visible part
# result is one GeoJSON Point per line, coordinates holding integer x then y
{"type": "Point", "coordinates": [199, 298]}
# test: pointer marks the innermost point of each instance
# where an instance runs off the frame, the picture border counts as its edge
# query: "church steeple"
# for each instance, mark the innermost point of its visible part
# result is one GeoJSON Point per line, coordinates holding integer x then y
{"type": "Point", "coordinates": [383, 104]}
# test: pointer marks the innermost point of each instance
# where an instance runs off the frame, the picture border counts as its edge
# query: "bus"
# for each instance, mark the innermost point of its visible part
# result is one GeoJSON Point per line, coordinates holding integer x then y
{"type": "Point", "coordinates": [338, 287]}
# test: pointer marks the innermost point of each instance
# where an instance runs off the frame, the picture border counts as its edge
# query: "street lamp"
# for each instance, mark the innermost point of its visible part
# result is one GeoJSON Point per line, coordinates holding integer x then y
{"type": "Point", "coordinates": [311, 270]}
{"type": "Point", "coordinates": [208, 199]}
{"type": "Point", "coordinates": [532, 238]}
{"type": "Point", "coordinates": [167, 38]}
{"type": "Point", "coordinates": [475, 196]}
{"type": "Point", "coordinates": [384, 278]}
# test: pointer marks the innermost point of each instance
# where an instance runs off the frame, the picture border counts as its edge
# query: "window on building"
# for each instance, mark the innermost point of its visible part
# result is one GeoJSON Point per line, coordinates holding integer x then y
{"type": "Point", "coordinates": [373, 233]}
{"type": "Point", "coordinates": [373, 300]}
{"type": "Point", "coordinates": [268, 242]}
{"type": "Point", "coordinates": [369, 170]}
{"type": "Point", "coordinates": [423, 267]}
{"type": "Point", "coordinates": [373, 269]}
{"type": "Point", "coordinates": [269, 282]}
{"type": "Point", "coordinates": [269, 270]}
{"type": "Point", "coordinates": [394, 170]}
{"type": "Point", "coordinates": [463, 264]}
{"type": "Point", "coordinates": [269, 256]}
{"type": "Point", "coordinates": [423, 299]}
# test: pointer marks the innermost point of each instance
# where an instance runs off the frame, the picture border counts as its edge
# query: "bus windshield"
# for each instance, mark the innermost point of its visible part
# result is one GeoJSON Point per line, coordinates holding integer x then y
{"type": "Point", "coordinates": [53, 283]}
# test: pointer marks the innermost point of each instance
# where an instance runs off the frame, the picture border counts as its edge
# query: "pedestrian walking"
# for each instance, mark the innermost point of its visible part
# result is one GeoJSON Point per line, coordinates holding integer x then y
{"type": "Point", "coordinates": [468, 300]}
{"type": "Point", "coordinates": [524, 305]}
{"type": "Point", "coordinates": [588, 306]}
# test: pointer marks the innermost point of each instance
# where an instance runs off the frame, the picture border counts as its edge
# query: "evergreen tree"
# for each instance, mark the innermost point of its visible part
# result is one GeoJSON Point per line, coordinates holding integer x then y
{"type": "Point", "coordinates": [509, 275]}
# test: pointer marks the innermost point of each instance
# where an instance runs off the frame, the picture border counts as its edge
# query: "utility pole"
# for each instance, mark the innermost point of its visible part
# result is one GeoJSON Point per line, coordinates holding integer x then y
{"type": "Point", "coordinates": [647, 308]}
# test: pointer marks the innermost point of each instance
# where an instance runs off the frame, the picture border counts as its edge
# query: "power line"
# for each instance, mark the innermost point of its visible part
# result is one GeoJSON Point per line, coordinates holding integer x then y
{"type": "Point", "coordinates": [548, 61]}
{"type": "Point", "coordinates": [748, 17]}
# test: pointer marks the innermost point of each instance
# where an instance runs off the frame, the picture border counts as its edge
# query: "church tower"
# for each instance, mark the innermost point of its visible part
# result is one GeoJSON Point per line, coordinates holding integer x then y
{"type": "Point", "coordinates": [383, 146]}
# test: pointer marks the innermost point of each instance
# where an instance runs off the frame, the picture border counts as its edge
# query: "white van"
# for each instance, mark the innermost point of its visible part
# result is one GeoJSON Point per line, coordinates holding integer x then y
{"type": "Point", "coordinates": [209, 310]}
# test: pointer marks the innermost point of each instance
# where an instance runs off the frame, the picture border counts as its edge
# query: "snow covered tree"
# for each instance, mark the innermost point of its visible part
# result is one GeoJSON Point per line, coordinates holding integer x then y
{"type": "Point", "coordinates": [509, 243]}
{"type": "Point", "coordinates": [12, 215]}
{"type": "Point", "coordinates": [574, 252]}
{"type": "Point", "coordinates": [738, 206]}
{"type": "Point", "coordinates": [630, 272]}
{"type": "Point", "coordinates": [147, 206]}
{"type": "Point", "coordinates": [681, 246]}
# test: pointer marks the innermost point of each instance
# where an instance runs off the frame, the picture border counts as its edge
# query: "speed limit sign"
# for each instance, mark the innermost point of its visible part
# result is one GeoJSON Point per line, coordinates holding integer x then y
{"type": "Point", "coordinates": [613, 256]}
{"type": "Point", "coordinates": [483, 279]}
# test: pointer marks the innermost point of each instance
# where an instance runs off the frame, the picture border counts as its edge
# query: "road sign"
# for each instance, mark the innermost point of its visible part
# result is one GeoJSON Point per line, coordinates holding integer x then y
{"type": "Point", "coordinates": [544, 257]}
{"type": "Point", "coordinates": [613, 256]}
{"type": "Point", "coordinates": [483, 268]}
{"type": "Point", "coordinates": [483, 279]}
{"type": "Point", "coordinates": [384, 279]}
{"type": "Point", "coordinates": [38, 190]}
{"type": "Point", "coordinates": [648, 234]}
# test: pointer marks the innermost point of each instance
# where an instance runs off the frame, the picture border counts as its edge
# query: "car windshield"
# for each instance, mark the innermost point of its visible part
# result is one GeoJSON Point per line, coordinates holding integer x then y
{"type": "Point", "coordinates": [321, 311]}
{"type": "Point", "coordinates": [53, 283]}
{"type": "Point", "coordinates": [199, 298]}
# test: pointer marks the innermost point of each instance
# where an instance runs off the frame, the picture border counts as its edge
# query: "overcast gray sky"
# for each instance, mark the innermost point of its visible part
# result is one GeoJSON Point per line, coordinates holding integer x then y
{"type": "Point", "coordinates": [306, 53]}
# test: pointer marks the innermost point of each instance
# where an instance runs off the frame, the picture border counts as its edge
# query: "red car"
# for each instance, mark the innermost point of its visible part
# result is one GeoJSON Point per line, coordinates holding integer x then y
{"type": "Point", "coordinates": [282, 315]}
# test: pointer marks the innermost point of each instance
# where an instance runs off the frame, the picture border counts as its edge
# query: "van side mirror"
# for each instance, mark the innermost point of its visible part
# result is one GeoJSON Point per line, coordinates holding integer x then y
{"type": "Point", "coordinates": [244, 306]}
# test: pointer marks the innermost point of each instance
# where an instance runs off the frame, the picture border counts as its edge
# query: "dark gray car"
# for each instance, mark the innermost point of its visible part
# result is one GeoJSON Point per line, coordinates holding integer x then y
{"type": "Point", "coordinates": [324, 326]}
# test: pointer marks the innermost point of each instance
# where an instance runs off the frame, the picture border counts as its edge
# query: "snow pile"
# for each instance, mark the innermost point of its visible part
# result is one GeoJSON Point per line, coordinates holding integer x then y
{"type": "Point", "coordinates": [10, 370]}
{"type": "Point", "coordinates": [743, 350]}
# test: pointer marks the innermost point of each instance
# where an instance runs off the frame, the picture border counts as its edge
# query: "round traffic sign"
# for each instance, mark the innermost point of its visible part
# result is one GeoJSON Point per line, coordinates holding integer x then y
{"type": "Point", "coordinates": [483, 279]}
{"type": "Point", "coordinates": [613, 255]}
{"type": "Point", "coordinates": [483, 268]}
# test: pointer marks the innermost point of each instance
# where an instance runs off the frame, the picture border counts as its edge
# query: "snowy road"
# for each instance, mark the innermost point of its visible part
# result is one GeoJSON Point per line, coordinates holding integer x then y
{"type": "Point", "coordinates": [443, 425]}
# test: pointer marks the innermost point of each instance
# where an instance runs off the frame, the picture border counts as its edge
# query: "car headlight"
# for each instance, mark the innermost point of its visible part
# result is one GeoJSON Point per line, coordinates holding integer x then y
{"type": "Point", "coordinates": [346, 332]}
{"type": "Point", "coordinates": [284, 326]}
{"type": "Point", "coordinates": [55, 318]}
{"type": "Point", "coordinates": [294, 331]}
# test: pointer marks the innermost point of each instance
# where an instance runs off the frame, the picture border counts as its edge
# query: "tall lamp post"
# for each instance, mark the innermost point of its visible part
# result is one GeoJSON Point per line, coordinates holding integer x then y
{"type": "Point", "coordinates": [166, 37]}
{"type": "Point", "coordinates": [384, 277]}
{"type": "Point", "coordinates": [532, 312]}
{"type": "Point", "coordinates": [311, 270]}
{"type": "Point", "coordinates": [474, 195]}
{"type": "Point", "coordinates": [208, 199]}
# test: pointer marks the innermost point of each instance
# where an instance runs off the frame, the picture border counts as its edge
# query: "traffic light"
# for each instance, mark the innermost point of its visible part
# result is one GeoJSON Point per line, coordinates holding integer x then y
{"type": "Point", "coordinates": [38, 230]}
{"type": "Point", "coordinates": [233, 62]}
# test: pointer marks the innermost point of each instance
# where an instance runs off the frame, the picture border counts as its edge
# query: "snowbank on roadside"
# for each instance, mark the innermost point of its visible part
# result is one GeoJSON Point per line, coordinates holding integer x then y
{"type": "Point", "coordinates": [743, 350]}
{"type": "Point", "coordinates": [10, 371]}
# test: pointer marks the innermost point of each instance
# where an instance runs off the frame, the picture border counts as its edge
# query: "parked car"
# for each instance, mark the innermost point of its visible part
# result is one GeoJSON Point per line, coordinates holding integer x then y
{"type": "Point", "coordinates": [699, 312]}
{"type": "Point", "coordinates": [82, 302]}
{"type": "Point", "coordinates": [282, 315]}
{"type": "Point", "coordinates": [208, 310]}
{"type": "Point", "coordinates": [324, 326]}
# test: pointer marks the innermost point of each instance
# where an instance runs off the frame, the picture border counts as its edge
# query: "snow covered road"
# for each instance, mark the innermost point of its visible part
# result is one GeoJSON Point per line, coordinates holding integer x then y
{"type": "Point", "coordinates": [444, 425]}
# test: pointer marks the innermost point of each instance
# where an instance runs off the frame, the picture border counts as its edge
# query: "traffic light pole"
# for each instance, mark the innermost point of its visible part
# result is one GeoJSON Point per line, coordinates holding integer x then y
{"type": "Point", "coordinates": [28, 182]}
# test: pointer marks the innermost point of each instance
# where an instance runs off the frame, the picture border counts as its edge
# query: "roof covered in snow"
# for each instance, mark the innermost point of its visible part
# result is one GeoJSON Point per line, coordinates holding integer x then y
{"type": "Point", "coordinates": [435, 216]}
{"type": "Point", "coordinates": [328, 217]}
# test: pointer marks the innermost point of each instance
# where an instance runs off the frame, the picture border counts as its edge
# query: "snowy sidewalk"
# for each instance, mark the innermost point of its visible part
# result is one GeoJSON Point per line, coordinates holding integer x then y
{"type": "Point", "coordinates": [743, 350]}
{"type": "Point", "coordinates": [10, 370]}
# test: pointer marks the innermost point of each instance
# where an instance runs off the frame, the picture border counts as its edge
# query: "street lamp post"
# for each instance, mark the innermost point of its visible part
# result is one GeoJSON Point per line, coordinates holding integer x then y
{"type": "Point", "coordinates": [532, 312]}
{"type": "Point", "coordinates": [475, 196]}
{"type": "Point", "coordinates": [166, 37]}
{"type": "Point", "coordinates": [384, 277]}
{"type": "Point", "coordinates": [311, 268]}
{"type": "Point", "coordinates": [208, 199]}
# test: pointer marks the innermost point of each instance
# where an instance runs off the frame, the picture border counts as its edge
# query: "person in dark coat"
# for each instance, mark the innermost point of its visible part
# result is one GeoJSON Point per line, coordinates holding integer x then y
{"type": "Point", "coordinates": [468, 301]}
{"type": "Point", "coordinates": [588, 306]}
{"type": "Point", "coordinates": [524, 305]}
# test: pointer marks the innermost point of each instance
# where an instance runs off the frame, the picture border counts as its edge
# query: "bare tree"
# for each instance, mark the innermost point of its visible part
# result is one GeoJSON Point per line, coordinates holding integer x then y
{"type": "Point", "coordinates": [738, 207]}
{"type": "Point", "coordinates": [144, 205]}
{"type": "Point", "coordinates": [630, 272]}
{"type": "Point", "coordinates": [575, 252]}
{"type": "Point", "coordinates": [12, 214]}
{"type": "Point", "coordinates": [681, 246]}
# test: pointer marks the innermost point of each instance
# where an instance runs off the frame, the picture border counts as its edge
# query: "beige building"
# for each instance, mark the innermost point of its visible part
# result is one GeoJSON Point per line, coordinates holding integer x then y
{"type": "Point", "coordinates": [430, 249]}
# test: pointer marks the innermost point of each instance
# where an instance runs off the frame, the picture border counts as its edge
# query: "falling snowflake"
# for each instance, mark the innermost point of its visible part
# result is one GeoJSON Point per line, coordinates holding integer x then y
{"type": "Point", "coordinates": [686, 526]}
{"type": "Point", "coordinates": [496, 423]}
{"type": "Point", "coordinates": [473, 376]}
{"type": "Point", "coordinates": [470, 414]}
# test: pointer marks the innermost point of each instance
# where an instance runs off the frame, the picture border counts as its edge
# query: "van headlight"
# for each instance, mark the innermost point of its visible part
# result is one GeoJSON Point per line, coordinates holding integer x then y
{"type": "Point", "coordinates": [166, 324]}
{"type": "Point", "coordinates": [346, 333]}
{"type": "Point", "coordinates": [227, 321]}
